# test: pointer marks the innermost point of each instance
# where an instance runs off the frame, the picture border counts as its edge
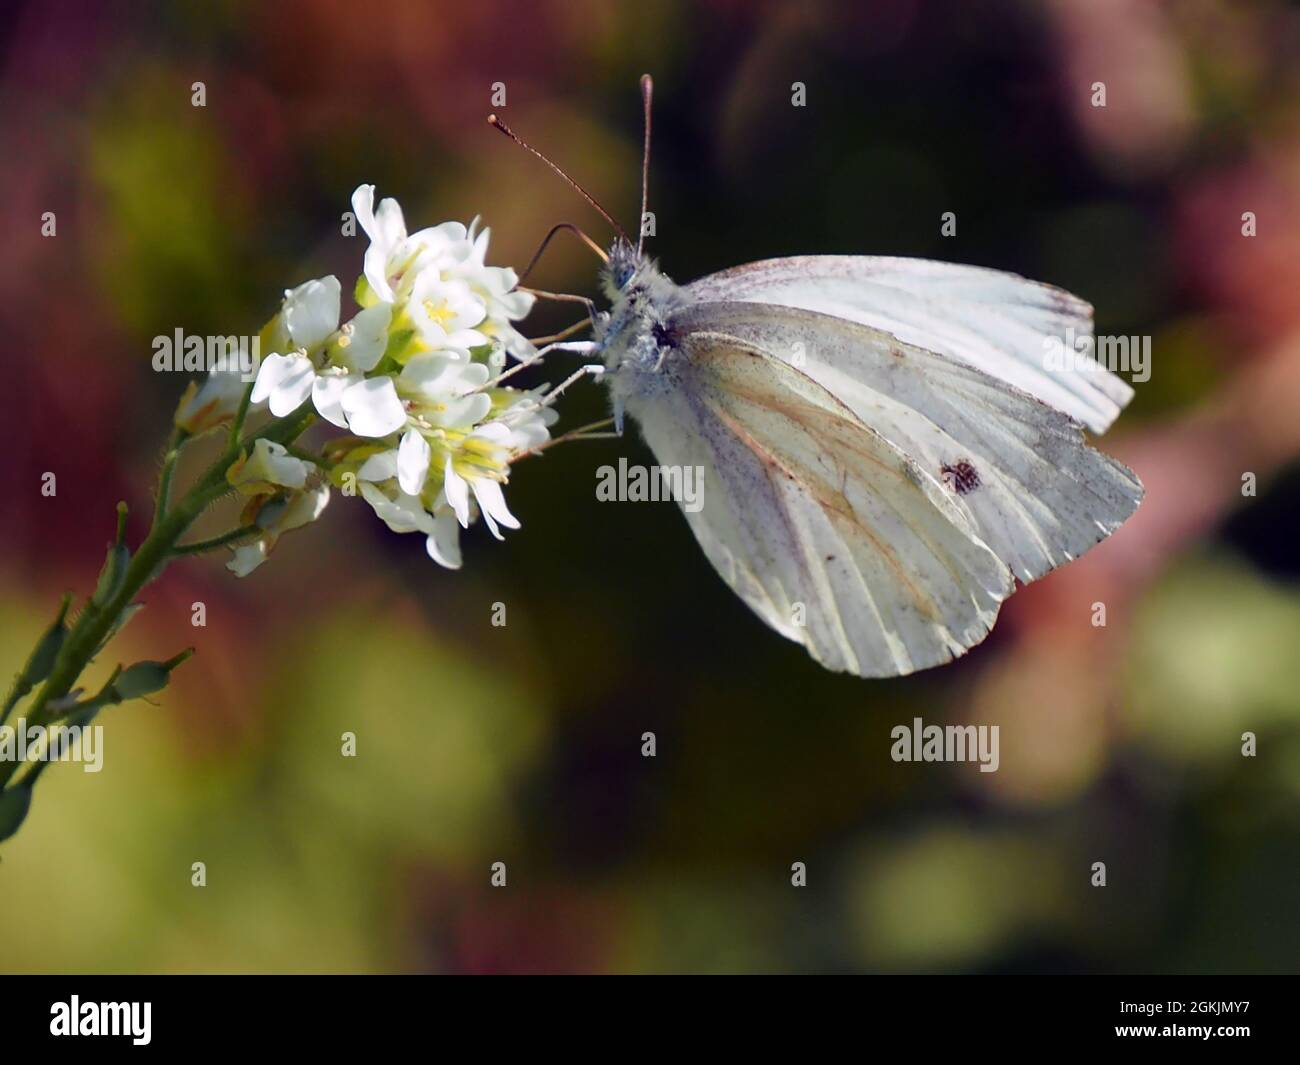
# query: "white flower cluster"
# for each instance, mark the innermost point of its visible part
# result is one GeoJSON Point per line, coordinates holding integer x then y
{"type": "Point", "coordinates": [411, 377]}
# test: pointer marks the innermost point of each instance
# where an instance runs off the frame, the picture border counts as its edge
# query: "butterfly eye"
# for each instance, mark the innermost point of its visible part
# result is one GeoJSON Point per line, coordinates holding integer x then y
{"type": "Point", "coordinates": [623, 274]}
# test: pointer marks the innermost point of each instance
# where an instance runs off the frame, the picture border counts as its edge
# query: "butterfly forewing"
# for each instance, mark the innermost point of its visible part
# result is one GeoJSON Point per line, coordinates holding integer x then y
{"type": "Point", "coordinates": [998, 322]}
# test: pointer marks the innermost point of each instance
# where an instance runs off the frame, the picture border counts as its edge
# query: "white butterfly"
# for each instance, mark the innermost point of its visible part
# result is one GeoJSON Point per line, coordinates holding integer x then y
{"type": "Point", "coordinates": [884, 450]}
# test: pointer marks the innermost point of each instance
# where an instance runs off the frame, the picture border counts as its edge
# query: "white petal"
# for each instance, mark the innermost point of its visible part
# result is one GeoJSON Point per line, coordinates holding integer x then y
{"type": "Point", "coordinates": [466, 339]}
{"type": "Point", "coordinates": [368, 338]}
{"type": "Point", "coordinates": [457, 493]}
{"type": "Point", "coordinates": [402, 515]}
{"type": "Point", "coordinates": [380, 467]}
{"type": "Point", "coordinates": [327, 396]}
{"type": "Point", "coordinates": [514, 341]}
{"type": "Point", "coordinates": [311, 311]}
{"type": "Point", "coordinates": [375, 267]}
{"type": "Point", "coordinates": [443, 544]}
{"type": "Point", "coordinates": [363, 206]}
{"type": "Point", "coordinates": [492, 501]}
{"type": "Point", "coordinates": [286, 380]}
{"type": "Point", "coordinates": [293, 391]}
{"type": "Point", "coordinates": [428, 372]}
{"type": "Point", "coordinates": [390, 226]}
{"type": "Point", "coordinates": [443, 373]}
{"type": "Point", "coordinates": [247, 558]}
{"type": "Point", "coordinates": [452, 304]}
{"type": "Point", "coordinates": [480, 240]}
{"type": "Point", "coordinates": [271, 463]}
{"type": "Point", "coordinates": [472, 376]}
{"type": "Point", "coordinates": [304, 508]}
{"type": "Point", "coordinates": [497, 432]}
{"type": "Point", "coordinates": [445, 234]}
{"type": "Point", "coordinates": [413, 462]}
{"type": "Point", "coordinates": [372, 407]}
{"type": "Point", "coordinates": [459, 413]}
{"type": "Point", "coordinates": [274, 369]}
{"type": "Point", "coordinates": [516, 305]}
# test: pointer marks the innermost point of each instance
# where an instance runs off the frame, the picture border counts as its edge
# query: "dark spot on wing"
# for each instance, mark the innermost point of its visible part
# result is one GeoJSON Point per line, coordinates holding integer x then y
{"type": "Point", "coordinates": [961, 476]}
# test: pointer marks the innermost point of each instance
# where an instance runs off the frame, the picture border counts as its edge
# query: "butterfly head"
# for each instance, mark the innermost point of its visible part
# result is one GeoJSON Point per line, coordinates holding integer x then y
{"type": "Point", "coordinates": [624, 263]}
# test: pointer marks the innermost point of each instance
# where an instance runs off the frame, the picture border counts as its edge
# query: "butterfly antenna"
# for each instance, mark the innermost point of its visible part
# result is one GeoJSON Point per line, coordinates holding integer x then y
{"type": "Point", "coordinates": [647, 91]}
{"type": "Point", "coordinates": [557, 228]}
{"type": "Point", "coordinates": [498, 124]}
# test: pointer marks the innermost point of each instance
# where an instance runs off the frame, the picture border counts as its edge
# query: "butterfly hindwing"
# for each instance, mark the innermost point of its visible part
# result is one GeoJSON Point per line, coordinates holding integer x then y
{"type": "Point", "coordinates": [1037, 494]}
{"type": "Point", "coordinates": [829, 532]}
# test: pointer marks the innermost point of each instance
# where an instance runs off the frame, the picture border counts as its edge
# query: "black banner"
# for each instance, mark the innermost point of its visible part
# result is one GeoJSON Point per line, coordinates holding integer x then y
{"type": "Point", "coordinates": [1226, 1015]}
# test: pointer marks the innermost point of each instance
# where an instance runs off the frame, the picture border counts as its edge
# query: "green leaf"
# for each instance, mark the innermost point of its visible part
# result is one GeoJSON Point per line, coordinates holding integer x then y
{"type": "Point", "coordinates": [14, 805]}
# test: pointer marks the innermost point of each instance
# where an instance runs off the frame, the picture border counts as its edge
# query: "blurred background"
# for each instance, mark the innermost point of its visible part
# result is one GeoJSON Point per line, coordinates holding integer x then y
{"type": "Point", "coordinates": [522, 743]}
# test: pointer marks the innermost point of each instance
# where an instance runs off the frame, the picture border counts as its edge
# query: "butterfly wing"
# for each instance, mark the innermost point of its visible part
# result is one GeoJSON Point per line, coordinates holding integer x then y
{"type": "Point", "coordinates": [1032, 488]}
{"type": "Point", "coordinates": [828, 531]}
{"type": "Point", "coordinates": [998, 322]}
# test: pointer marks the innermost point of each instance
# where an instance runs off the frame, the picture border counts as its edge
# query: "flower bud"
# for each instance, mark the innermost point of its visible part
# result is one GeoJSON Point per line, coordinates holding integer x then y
{"type": "Point", "coordinates": [268, 468]}
{"type": "Point", "coordinates": [115, 565]}
{"type": "Point", "coordinates": [145, 678]}
{"type": "Point", "coordinates": [46, 651]}
{"type": "Point", "coordinates": [214, 402]}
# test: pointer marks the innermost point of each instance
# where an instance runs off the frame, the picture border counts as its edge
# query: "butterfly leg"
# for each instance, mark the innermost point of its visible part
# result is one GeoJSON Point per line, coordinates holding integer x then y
{"type": "Point", "coordinates": [576, 347]}
{"type": "Point", "coordinates": [577, 327]}
{"type": "Point", "coordinates": [591, 431]}
{"type": "Point", "coordinates": [592, 369]}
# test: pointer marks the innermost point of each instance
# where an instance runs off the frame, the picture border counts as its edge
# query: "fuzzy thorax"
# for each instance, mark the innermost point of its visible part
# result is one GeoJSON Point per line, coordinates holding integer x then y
{"type": "Point", "coordinates": [635, 334]}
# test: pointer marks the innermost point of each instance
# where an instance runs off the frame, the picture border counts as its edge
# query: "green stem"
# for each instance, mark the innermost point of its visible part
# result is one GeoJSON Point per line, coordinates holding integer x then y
{"type": "Point", "coordinates": [174, 444]}
{"type": "Point", "coordinates": [237, 426]}
{"type": "Point", "coordinates": [95, 623]}
{"type": "Point", "coordinates": [83, 719]}
{"type": "Point", "coordinates": [198, 547]}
